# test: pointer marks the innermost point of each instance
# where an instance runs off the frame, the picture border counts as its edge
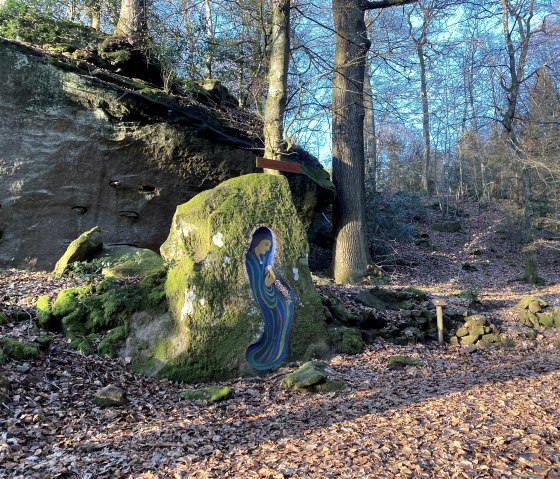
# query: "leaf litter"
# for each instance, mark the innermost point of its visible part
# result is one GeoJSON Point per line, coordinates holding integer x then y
{"type": "Point", "coordinates": [472, 413]}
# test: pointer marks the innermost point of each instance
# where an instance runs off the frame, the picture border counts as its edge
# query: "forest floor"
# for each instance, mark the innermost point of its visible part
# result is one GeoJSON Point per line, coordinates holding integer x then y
{"type": "Point", "coordinates": [464, 412]}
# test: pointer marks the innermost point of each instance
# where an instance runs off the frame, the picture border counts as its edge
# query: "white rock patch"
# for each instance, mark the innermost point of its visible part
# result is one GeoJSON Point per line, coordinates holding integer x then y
{"type": "Point", "coordinates": [218, 239]}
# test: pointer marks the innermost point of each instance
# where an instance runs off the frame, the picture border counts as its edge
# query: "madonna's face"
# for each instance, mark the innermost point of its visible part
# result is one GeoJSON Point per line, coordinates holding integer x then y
{"type": "Point", "coordinates": [262, 247]}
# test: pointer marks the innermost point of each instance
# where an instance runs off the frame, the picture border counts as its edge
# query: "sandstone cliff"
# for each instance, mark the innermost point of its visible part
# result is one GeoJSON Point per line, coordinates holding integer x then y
{"type": "Point", "coordinates": [81, 146]}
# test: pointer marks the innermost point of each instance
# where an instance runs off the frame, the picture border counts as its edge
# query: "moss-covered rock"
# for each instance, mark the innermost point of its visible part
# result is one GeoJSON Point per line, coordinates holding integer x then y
{"type": "Point", "coordinates": [82, 248]}
{"type": "Point", "coordinates": [211, 394]}
{"type": "Point", "coordinates": [311, 377]}
{"type": "Point", "coordinates": [535, 313]}
{"type": "Point", "coordinates": [531, 303]}
{"type": "Point", "coordinates": [3, 319]}
{"type": "Point", "coordinates": [86, 312]}
{"type": "Point", "coordinates": [448, 227]}
{"type": "Point", "coordinates": [110, 343]}
{"type": "Point", "coordinates": [127, 261]}
{"type": "Point", "coordinates": [44, 313]}
{"type": "Point", "coordinates": [401, 361]}
{"type": "Point", "coordinates": [213, 315]}
{"type": "Point", "coordinates": [476, 329]}
{"type": "Point", "coordinates": [346, 340]}
{"type": "Point", "coordinates": [110, 395]}
{"type": "Point", "coordinates": [19, 350]}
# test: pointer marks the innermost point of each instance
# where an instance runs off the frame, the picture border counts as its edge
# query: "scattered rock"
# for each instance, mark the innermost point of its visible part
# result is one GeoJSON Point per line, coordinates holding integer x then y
{"type": "Point", "coordinates": [476, 330]}
{"type": "Point", "coordinates": [211, 394]}
{"type": "Point", "coordinates": [533, 312]}
{"type": "Point", "coordinates": [402, 361]}
{"type": "Point", "coordinates": [311, 377]}
{"type": "Point", "coordinates": [346, 340]}
{"type": "Point", "coordinates": [110, 395]}
{"type": "Point", "coordinates": [423, 240]}
{"type": "Point", "coordinates": [83, 248]}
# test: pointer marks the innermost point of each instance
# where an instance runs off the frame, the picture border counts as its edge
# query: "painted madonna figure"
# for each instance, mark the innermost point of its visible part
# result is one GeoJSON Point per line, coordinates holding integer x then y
{"type": "Point", "coordinates": [275, 300]}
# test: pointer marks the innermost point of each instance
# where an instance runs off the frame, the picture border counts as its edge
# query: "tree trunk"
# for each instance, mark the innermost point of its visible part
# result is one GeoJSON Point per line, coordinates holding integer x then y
{"type": "Point", "coordinates": [209, 38]}
{"type": "Point", "coordinates": [425, 119]}
{"type": "Point", "coordinates": [95, 15]}
{"type": "Point", "coordinates": [132, 21]}
{"type": "Point", "coordinates": [277, 81]}
{"type": "Point", "coordinates": [349, 255]}
{"type": "Point", "coordinates": [370, 133]}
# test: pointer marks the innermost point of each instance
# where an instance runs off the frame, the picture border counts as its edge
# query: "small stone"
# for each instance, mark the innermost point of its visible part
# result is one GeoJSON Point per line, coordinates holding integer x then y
{"type": "Point", "coordinates": [463, 331]}
{"type": "Point", "coordinates": [23, 368]}
{"type": "Point", "coordinates": [110, 395]}
{"type": "Point", "coordinates": [470, 339]}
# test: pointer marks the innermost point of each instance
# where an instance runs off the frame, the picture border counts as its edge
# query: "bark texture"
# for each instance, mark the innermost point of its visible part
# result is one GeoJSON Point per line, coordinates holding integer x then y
{"type": "Point", "coordinates": [132, 21]}
{"type": "Point", "coordinates": [277, 81]}
{"type": "Point", "coordinates": [349, 256]}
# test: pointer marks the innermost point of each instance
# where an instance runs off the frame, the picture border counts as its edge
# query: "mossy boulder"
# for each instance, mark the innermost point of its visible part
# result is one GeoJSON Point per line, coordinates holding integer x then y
{"type": "Point", "coordinates": [311, 377]}
{"type": "Point", "coordinates": [3, 319]}
{"type": "Point", "coordinates": [346, 340]}
{"type": "Point", "coordinates": [212, 394]}
{"type": "Point", "coordinates": [100, 315]}
{"type": "Point", "coordinates": [402, 361]}
{"type": "Point", "coordinates": [477, 329]}
{"type": "Point", "coordinates": [110, 395]}
{"type": "Point", "coordinates": [81, 249]}
{"type": "Point", "coordinates": [128, 261]}
{"type": "Point", "coordinates": [213, 316]}
{"type": "Point", "coordinates": [535, 313]}
{"type": "Point", "coordinates": [19, 350]}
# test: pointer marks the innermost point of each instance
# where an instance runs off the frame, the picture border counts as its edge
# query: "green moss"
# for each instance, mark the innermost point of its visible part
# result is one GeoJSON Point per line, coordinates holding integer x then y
{"type": "Point", "coordinates": [141, 263]}
{"type": "Point", "coordinates": [20, 21]}
{"type": "Point", "coordinates": [83, 312]}
{"type": "Point", "coordinates": [211, 333]}
{"type": "Point", "coordinates": [546, 320]}
{"type": "Point", "coordinates": [3, 357]}
{"type": "Point", "coordinates": [113, 339]}
{"type": "Point", "coordinates": [45, 319]}
{"type": "Point", "coordinates": [403, 361]}
{"type": "Point", "coordinates": [346, 340]}
{"type": "Point", "coordinates": [450, 227]}
{"type": "Point", "coordinates": [44, 342]}
{"type": "Point", "coordinates": [211, 394]}
{"type": "Point", "coordinates": [19, 350]}
{"type": "Point", "coordinates": [525, 303]}
{"type": "Point", "coordinates": [3, 319]}
{"type": "Point", "coordinates": [508, 343]}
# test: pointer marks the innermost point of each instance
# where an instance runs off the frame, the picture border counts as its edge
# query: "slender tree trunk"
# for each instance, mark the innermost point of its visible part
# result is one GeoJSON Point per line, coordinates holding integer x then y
{"type": "Point", "coordinates": [370, 133]}
{"type": "Point", "coordinates": [209, 38]}
{"type": "Point", "coordinates": [425, 119]}
{"type": "Point", "coordinates": [95, 15]}
{"type": "Point", "coordinates": [277, 81]}
{"type": "Point", "coordinates": [349, 256]}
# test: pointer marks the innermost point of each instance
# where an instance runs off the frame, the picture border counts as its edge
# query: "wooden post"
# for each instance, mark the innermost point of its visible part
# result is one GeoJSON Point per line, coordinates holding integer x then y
{"type": "Point", "coordinates": [440, 304]}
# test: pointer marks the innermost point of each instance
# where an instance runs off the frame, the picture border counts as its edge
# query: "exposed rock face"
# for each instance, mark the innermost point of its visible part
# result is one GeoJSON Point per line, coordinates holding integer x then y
{"type": "Point", "coordinates": [215, 314]}
{"type": "Point", "coordinates": [83, 147]}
